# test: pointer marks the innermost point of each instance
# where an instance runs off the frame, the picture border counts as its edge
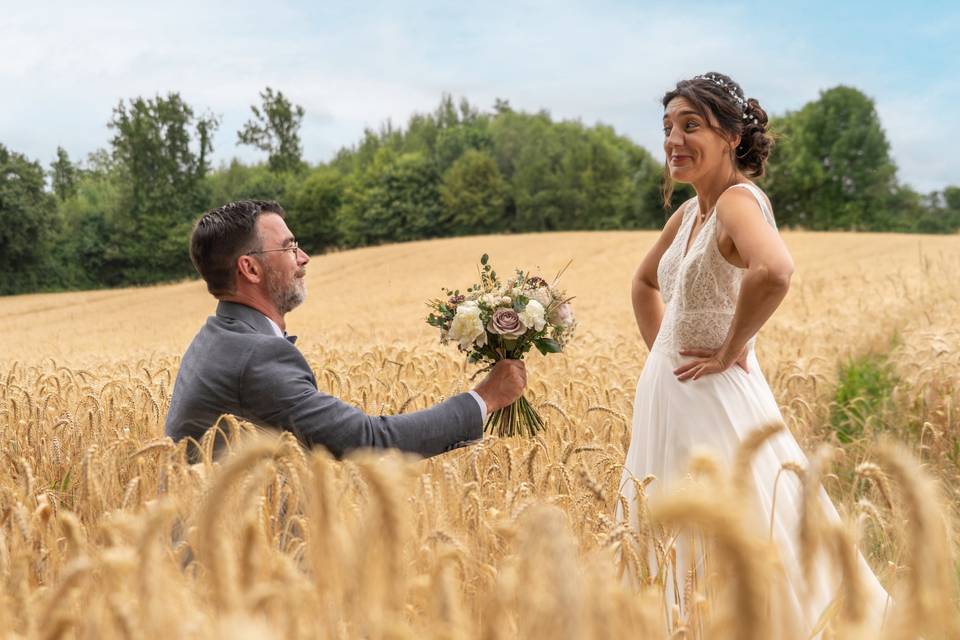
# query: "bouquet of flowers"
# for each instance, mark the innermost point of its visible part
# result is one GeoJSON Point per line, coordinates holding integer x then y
{"type": "Point", "coordinates": [496, 320]}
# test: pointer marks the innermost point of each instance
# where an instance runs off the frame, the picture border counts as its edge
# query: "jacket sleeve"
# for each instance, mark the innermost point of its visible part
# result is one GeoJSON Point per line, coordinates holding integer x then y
{"type": "Point", "coordinates": [278, 389]}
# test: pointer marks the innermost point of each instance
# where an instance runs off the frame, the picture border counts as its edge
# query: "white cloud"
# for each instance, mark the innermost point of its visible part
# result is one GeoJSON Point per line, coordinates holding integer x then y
{"type": "Point", "coordinates": [351, 68]}
{"type": "Point", "coordinates": [920, 134]}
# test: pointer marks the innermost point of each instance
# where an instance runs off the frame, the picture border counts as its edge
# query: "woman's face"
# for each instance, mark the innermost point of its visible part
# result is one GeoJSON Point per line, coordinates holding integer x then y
{"type": "Point", "coordinates": [693, 149]}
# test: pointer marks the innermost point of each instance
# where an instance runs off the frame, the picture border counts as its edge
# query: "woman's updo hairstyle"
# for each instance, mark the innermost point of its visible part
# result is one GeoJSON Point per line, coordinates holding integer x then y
{"type": "Point", "coordinates": [736, 115]}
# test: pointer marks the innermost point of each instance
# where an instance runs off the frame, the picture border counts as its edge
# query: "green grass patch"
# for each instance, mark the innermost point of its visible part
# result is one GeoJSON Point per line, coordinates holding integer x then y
{"type": "Point", "coordinates": [863, 393]}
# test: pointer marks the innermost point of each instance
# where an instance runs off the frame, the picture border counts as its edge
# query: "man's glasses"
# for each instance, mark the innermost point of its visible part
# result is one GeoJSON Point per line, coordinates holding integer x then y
{"type": "Point", "coordinates": [292, 247]}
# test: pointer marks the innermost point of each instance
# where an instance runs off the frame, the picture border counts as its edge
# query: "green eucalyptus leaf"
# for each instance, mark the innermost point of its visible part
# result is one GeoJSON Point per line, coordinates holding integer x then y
{"type": "Point", "coordinates": [547, 345]}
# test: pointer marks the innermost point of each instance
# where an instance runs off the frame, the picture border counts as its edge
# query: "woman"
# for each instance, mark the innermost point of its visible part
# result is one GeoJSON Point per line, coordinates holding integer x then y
{"type": "Point", "coordinates": [721, 270]}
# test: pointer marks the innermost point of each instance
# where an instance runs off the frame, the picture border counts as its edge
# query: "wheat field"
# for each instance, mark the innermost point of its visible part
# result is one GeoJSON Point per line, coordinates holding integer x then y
{"type": "Point", "coordinates": [107, 532]}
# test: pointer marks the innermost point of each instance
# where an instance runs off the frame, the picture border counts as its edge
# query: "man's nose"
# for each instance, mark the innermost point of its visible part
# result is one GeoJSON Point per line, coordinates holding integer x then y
{"type": "Point", "coordinates": [302, 257]}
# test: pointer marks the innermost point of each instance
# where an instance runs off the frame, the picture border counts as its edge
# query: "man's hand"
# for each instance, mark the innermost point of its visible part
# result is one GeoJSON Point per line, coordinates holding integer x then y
{"type": "Point", "coordinates": [504, 384]}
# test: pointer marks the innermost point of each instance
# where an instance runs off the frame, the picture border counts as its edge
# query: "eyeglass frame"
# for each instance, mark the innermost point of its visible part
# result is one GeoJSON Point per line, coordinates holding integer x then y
{"type": "Point", "coordinates": [294, 247]}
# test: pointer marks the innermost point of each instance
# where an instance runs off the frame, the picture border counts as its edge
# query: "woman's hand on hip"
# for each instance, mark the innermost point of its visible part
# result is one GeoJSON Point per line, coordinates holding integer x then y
{"type": "Point", "coordinates": [705, 363]}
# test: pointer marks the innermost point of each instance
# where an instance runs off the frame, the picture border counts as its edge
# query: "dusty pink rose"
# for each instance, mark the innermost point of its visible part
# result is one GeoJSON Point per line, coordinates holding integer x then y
{"type": "Point", "coordinates": [506, 322]}
{"type": "Point", "coordinates": [563, 316]}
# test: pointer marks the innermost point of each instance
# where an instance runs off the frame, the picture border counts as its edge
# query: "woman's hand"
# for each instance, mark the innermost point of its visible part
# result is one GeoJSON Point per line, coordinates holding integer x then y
{"type": "Point", "coordinates": [706, 363]}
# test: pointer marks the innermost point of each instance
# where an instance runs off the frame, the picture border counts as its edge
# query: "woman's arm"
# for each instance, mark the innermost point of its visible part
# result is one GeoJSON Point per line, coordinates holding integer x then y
{"type": "Point", "coordinates": [645, 292]}
{"type": "Point", "coordinates": [768, 263]}
{"type": "Point", "coordinates": [765, 284]}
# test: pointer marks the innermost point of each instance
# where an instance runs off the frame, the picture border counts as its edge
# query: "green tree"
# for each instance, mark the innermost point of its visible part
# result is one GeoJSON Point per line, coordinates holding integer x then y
{"type": "Point", "coordinates": [909, 211]}
{"type": "Point", "coordinates": [473, 192]}
{"type": "Point", "coordinates": [396, 199]}
{"type": "Point", "coordinates": [238, 181]}
{"type": "Point", "coordinates": [87, 216]}
{"type": "Point", "coordinates": [937, 212]}
{"type": "Point", "coordinates": [619, 181]}
{"type": "Point", "coordinates": [459, 129]}
{"type": "Point", "coordinates": [556, 175]}
{"type": "Point", "coordinates": [275, 128]}
{"type": "Point", "coordinates": [442, 135]}
{"type": "Point", "coordinates": [832, 167]}
{"type": "Point", "coordinates": [501, 105]}
{"type": "Point", "coordinates": [568, 176]}
{"type": "Point", "coordinates": [63, 175]}
{"type": "Point", "coordinates": [160, 155]}
{"type": "Point", "coordinates": [528, 152]}
{"type": "Point", "coordinates": [28, 224]}
{"type": "Point", "coordinates": [313, 208]}
{"type": "Point", "coordinates": [951, 196]}
{"type": "Point", "coordinates": [951, 208]}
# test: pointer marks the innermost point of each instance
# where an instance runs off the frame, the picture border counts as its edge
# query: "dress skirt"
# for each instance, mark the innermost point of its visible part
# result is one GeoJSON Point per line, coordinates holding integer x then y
{"type": "Point", "coordinates": [673, 420]}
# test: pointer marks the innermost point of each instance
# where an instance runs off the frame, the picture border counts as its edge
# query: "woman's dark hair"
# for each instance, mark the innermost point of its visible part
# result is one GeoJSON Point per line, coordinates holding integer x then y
{"type": "Point", "coordinates": [224, 234]}
{"type": "Point", "coordinates": [736, 115]}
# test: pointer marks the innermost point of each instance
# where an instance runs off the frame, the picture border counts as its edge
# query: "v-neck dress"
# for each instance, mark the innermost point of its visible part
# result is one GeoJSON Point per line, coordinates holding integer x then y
{"type": "Point", "coordinates": [673, 419]}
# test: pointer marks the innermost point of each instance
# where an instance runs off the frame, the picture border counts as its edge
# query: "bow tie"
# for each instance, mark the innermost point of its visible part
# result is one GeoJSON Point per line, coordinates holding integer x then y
{"type": "Point", "coordinates": [290, 339]}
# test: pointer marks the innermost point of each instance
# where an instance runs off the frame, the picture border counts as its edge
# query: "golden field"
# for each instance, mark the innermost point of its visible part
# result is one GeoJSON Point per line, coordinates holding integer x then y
{"type": "Point", "coordinates": [106, 531]}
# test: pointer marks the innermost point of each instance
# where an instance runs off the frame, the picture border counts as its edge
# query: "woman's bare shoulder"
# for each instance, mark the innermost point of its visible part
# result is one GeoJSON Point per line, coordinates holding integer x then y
{"type": "Point", "coordinates": [742, 198]}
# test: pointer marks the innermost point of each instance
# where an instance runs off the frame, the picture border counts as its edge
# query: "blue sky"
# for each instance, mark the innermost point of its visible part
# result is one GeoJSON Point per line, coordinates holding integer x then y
{"type": "Point", "coordinates": [65, 65]}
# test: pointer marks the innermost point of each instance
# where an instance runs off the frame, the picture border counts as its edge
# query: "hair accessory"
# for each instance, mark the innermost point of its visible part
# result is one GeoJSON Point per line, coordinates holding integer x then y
{"type": "Point", "coordinates": [729, 88]}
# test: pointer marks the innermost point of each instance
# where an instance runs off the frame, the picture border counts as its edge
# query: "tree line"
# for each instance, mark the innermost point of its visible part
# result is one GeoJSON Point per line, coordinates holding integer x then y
{"type": "Point", "coordinates": [123, 215]}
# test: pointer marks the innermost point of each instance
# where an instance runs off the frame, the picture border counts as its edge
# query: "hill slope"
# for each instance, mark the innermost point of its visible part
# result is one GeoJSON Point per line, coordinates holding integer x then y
{"type": "Point", "coordinates": [376, 295]}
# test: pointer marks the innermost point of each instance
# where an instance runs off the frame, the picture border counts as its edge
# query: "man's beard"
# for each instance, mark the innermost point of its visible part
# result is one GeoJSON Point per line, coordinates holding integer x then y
{"type": "Point", "coordinates": [289, 297]}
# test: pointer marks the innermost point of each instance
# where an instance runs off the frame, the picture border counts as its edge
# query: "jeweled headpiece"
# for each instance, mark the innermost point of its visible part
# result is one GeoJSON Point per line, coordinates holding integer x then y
{"type": "Point", "coordinates": [731, 91]}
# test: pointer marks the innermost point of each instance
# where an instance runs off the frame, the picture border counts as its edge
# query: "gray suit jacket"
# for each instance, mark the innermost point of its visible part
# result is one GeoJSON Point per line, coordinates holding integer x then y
{"type": "Point", "coordinates": [237, 364]}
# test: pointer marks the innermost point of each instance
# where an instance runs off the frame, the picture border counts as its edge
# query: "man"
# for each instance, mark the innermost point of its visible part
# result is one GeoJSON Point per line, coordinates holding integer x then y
{"type": "Point", "coordinates": [243, 363]}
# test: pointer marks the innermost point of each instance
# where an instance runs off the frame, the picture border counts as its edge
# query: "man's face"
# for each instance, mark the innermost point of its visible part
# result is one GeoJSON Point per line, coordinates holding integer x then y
{"type": "Point", "coordinates": [284, 271]}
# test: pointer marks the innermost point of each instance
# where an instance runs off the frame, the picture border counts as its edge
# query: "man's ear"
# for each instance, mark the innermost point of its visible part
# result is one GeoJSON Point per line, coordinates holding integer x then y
{"type": "Point", "coordinates": [249, 269]}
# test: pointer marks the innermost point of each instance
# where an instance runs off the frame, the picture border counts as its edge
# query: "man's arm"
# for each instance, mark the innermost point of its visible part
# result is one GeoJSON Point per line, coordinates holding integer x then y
{"type": "Point", "coordinates": [278, 389]}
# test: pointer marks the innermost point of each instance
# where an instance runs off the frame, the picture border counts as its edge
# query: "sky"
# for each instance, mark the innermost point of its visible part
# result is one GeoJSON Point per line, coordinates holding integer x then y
{"type": "Point", "coordinates": [65, 65]}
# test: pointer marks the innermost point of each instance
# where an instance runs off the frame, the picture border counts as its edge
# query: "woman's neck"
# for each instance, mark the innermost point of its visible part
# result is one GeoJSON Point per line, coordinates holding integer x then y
{"type": "Point", "coordinates": [711, 186]}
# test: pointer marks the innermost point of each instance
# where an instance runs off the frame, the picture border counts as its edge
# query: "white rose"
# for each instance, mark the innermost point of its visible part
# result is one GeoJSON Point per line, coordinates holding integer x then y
{"type": "Point", "coordinates": [467, 327]}
{"type": "Point", "coordinates": [533, 315]}
{"type": "Point", "coordinates": [541, 295]}
{"type": "Point", "coordinates": [563, 316]}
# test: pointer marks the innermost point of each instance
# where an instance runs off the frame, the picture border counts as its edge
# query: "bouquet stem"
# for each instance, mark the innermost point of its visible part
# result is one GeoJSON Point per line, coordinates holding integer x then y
{"type": "Point", "coordinates": [517, 419]}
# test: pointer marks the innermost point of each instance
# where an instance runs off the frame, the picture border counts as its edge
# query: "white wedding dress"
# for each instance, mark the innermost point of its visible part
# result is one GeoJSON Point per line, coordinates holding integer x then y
{"type": "Point", "coordinates": [672, 419]}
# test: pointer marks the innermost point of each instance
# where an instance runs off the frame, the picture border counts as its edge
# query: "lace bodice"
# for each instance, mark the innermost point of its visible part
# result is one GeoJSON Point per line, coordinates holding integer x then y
{"type": "Point", "coordinates": [699, 289]}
